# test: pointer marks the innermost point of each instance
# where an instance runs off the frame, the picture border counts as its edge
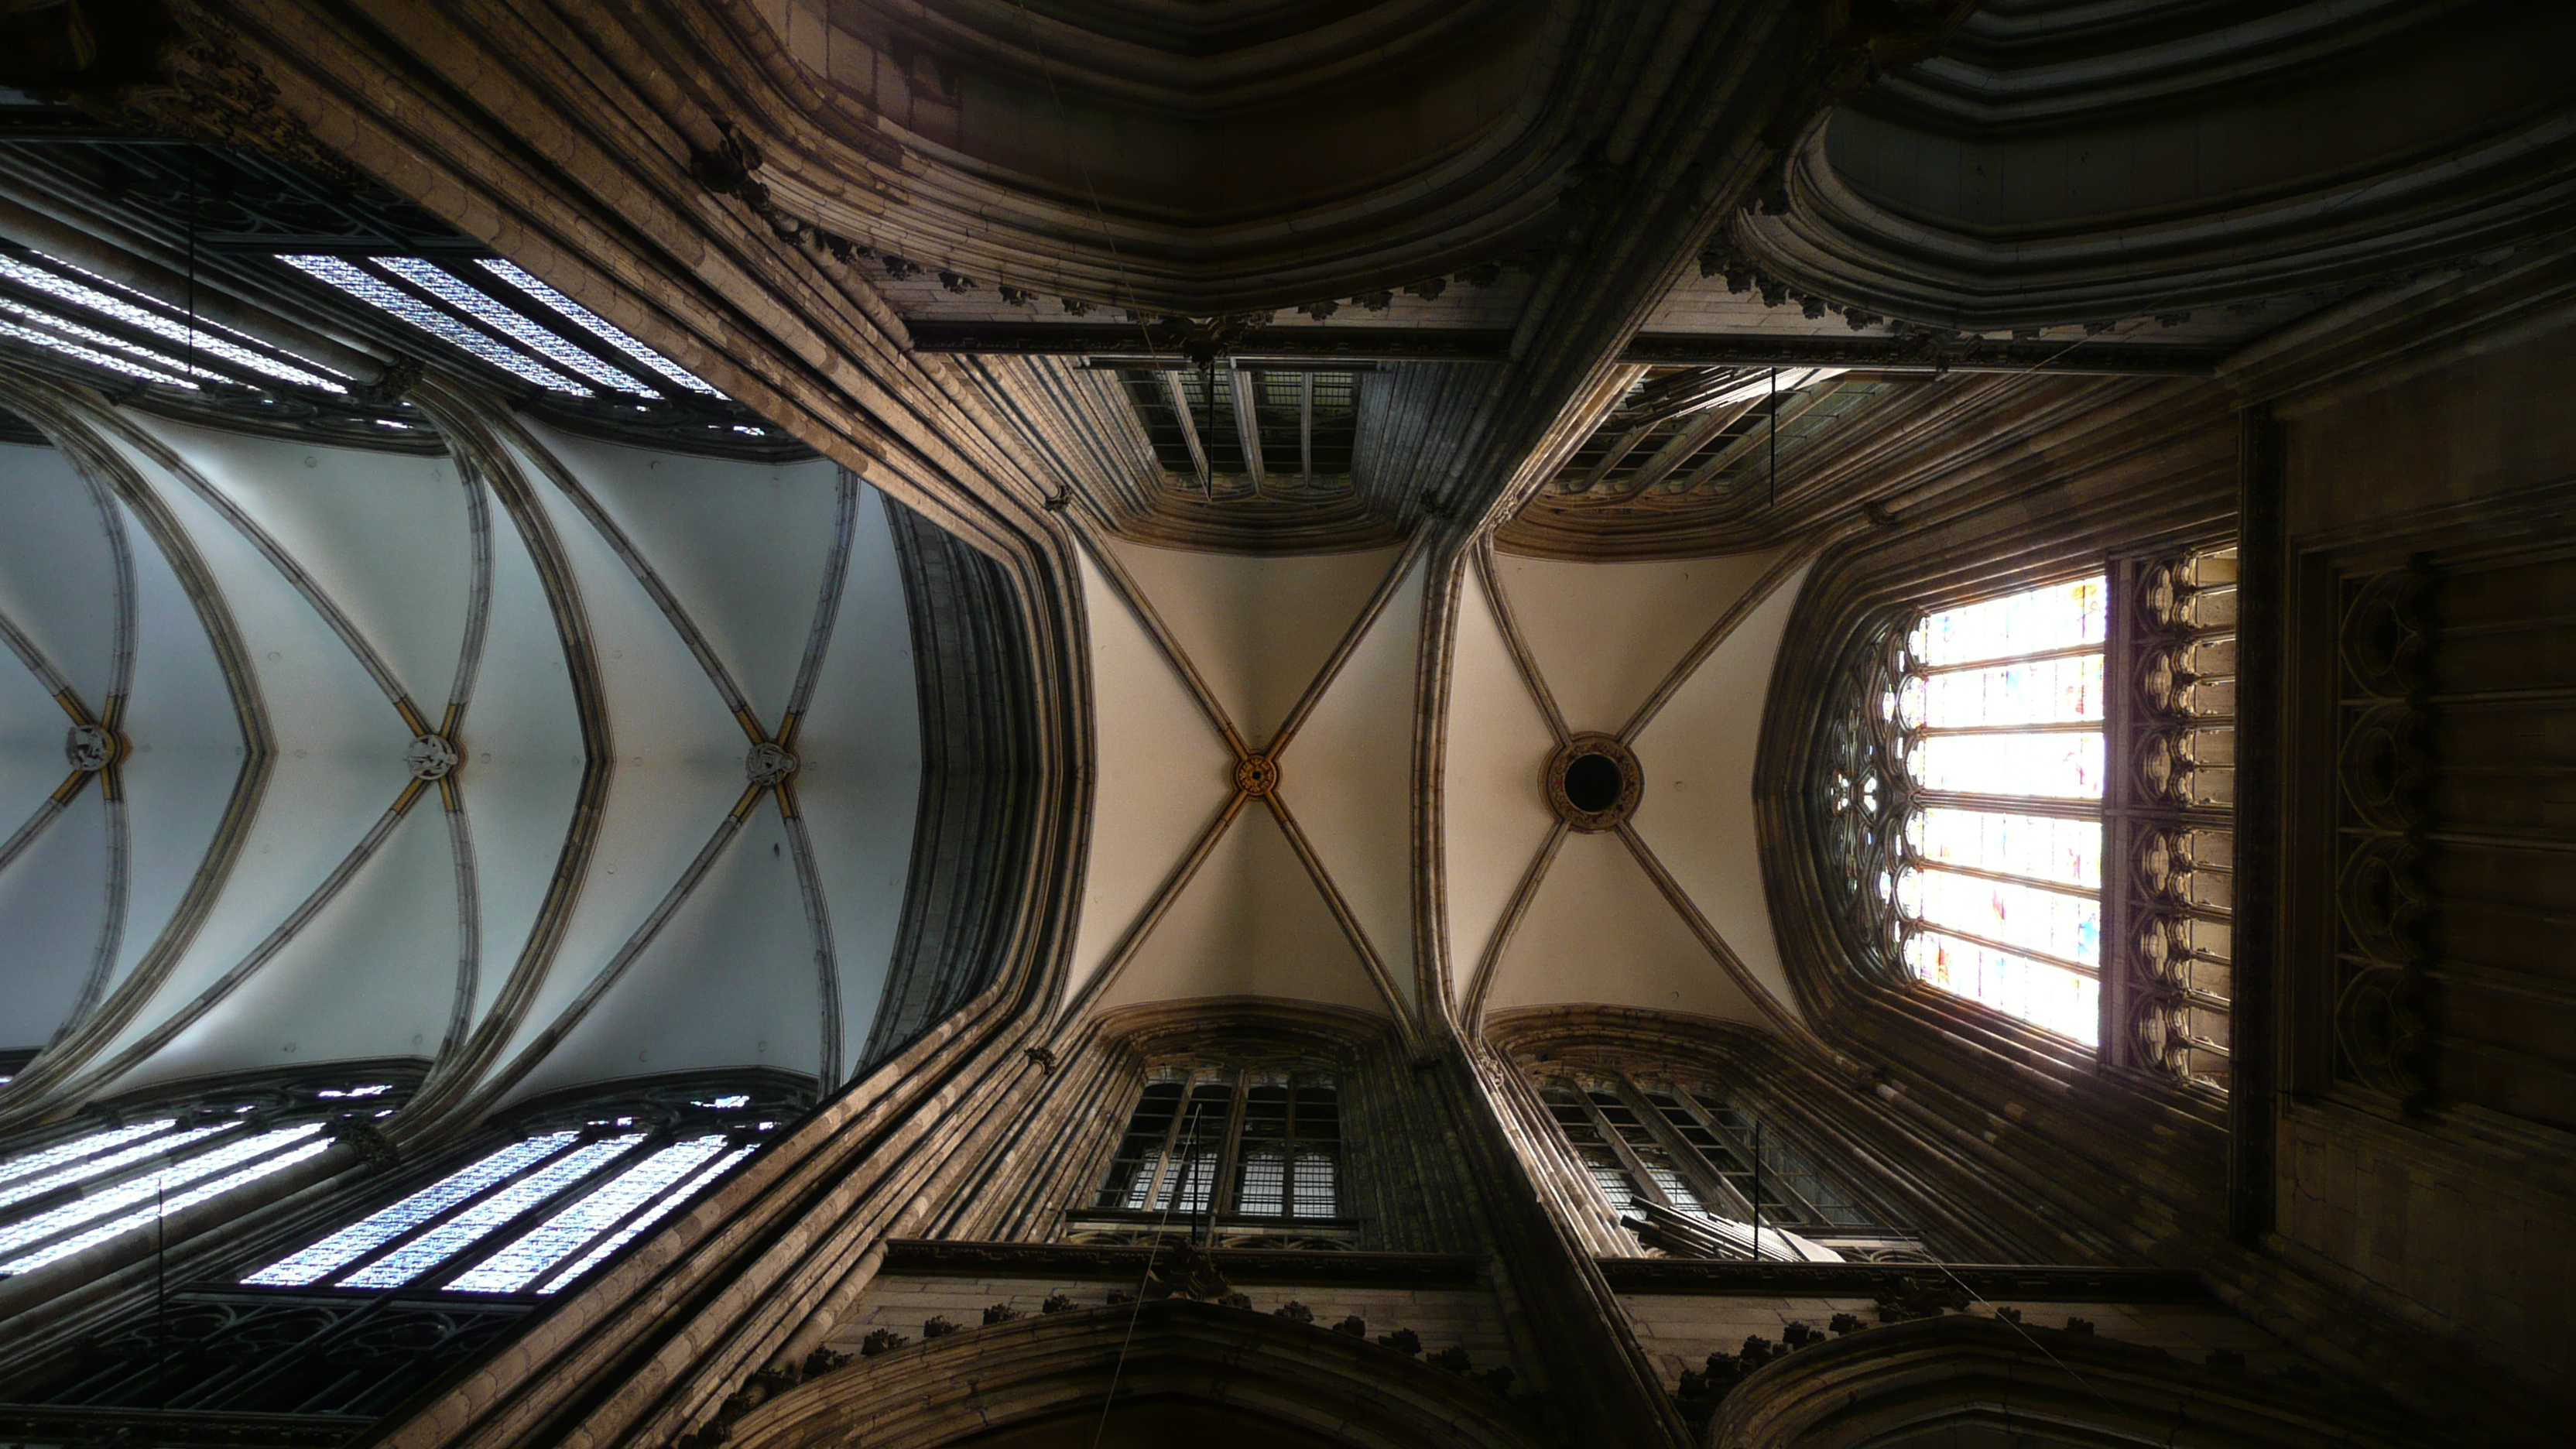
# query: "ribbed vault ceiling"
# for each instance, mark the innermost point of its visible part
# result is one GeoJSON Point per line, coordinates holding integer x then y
{"type": "Point", "coordinates": [601, 888]}
{"type": "Point", "coordinates": [1314, 891]}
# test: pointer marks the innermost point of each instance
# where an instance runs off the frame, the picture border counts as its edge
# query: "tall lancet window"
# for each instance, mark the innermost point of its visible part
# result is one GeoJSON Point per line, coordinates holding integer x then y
{"type": "Point", "coordinates": [1234, 1155]}
{"type": "Point", "coordinates": [2029, 805]}
{"type": "Point", "coordinates": [85, 1189]}
{"type": "Point", "coordinates": [535, 1215]}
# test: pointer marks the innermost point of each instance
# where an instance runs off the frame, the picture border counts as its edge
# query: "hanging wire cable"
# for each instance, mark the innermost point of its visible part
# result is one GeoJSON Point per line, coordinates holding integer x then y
{"type": "Point", "coordinates": [1775, 482]}
{"type": "Point", "coordinates": [2015, 1323]}
{"type": "Point", "coordinates": [1153, 1245]}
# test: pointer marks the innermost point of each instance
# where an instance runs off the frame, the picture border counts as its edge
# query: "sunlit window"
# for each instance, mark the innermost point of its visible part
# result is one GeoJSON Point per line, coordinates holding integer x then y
{"type": "Point", "coordinates": [172, 1182]}
{"type": "Point", "coordinates": [61, 342]}
{"type": "Point", "coordinates": [2000, 881]}
{"type": "Point", "coordinates": [1967, 801]}
{"type": "Point", "coordinates": [187, 333]}
{"type": "Point", "coordinates": [435, 280]}
{"type": "Point", "coordinates": [596, 325]}
{"type": "Point", "coordinates": [376, 293]}
{"type": "Point", "coordinates": [532, 1216]}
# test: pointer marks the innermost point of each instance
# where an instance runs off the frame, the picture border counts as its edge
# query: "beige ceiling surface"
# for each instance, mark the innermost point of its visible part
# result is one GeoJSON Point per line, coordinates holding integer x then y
{"type": "Point", "coordinates": [1496, 817]}
{"type": "Point", "coordinates": [1667, 912]}
{"type": "Point", "coordinates": [1195, 889]}
{"type": "Point", "coordinates": [1311, 892]}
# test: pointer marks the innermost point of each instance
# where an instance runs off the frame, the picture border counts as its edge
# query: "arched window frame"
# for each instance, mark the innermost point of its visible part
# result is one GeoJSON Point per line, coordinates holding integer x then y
{"type": "Point", "coordinates": [1651, 1145]}
{"type": "Point", "coordinates": [2166, 809]}
{"type": "Point", "coordinates": [1189, 1159]}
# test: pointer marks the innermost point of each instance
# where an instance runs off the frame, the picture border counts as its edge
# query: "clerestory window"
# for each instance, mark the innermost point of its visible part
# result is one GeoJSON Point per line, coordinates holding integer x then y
{"type": "Point", "coordinates": [83, 1190]}
{"type": "Point", "coordinates": [1654, 1149]}
{"type": "Point", "coordinates": [1237, 1154]}
{"type": "Point", "coordinates": [1994, 756]}
{"type": "Point", "coordinates": [535, 1215]}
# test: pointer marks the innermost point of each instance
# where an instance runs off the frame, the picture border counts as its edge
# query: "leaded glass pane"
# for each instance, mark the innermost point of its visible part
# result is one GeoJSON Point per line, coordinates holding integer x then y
{"type": "Point", "coordinates": [671, 1202]}
{"type": "Point", "coordinates": [1317, 1186]}
{"type": "Point", "coordinates": [595, 324]}
{"type": "Point", "coordinates": [2035, 621]}
{"type": "Point", "coordinates": [361, 1238]}
{"type": "Point", "coordinates": [2063, 690]}
{"type": "Point", "coordinates": [1190, 1184]}
{"type": "Point", "coordinates": [74, 1151]}
{"type": "Point", "coordinates": [2063, 765]}
{"type": "Point", "coordinates": [598, 1210]}
{"type": "Point", "coordinates": [1614, 1182]}
{"type": "Point", "coordinates": [1265, 1182]}
{"type": "Point", "coordinates": [192, 333]}
{"type": "Point", "coordinates": [429, 319]}
{"type": "Point", "coordinates": [2051, 996]}
{"type": "Point", "coordinates": [181, 1186]}
{"type": "Point", "coordinates": [1131, 1170]}
{"type": "Point", "coordinates": [2037, 847]}
{"type": "Point", "coordinates": [93, 356]}
{"type": "Point", "coordinates": [2053, 923]}
{"type": "Point", "coordinates": [461, 1232]}
{"type": "Point", "coordinates": [430, 278]}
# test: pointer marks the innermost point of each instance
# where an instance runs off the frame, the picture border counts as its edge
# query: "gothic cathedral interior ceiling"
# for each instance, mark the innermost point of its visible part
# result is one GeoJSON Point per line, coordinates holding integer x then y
{"type": "Point", "coordinates": [1023, 723]}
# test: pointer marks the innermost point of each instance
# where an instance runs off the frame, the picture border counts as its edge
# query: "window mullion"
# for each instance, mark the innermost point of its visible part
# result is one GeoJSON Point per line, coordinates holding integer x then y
{"type": "Point", "coordinates": [464, 1257]}
{"type": "Point", "coordinates": [1687, 1163]}
{"type": "Point", "coordinates": [2059, 806]}
{"type": "Point", "coordinates": [1222, 1188]}
{"type": "Point", "coordinates": [1171, 1144]}
{"type": "Point", "coordinates": [1627, 1154]}
{"type": "Point", "coordinates": [2119, 818]}
{"type": "Point", "coordinates": [440, 1219]}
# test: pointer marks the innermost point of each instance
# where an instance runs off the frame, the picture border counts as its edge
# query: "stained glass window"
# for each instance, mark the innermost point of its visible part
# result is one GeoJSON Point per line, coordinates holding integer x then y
{"type": "Point", "coordinates": [487, 1216]}
{"type": "Point", "coordinates": [189, 333]}
{"type": "Point", "coordinates": [365, 1236]}
{"type": "Point", "coordinates": [384, 297]}
{"type": "Point", "coordinates": [661, 1208]}
{"type": "Point", "coordinates": [12, 1173]}
{"type": "Point", "coordinates": [99, 1215]}
{"type": "Point", "coordinates": [596, 325]}
{"type": "Point", "coordinates": [2030, 804]}
{"type": "Point", "coordinates": [596, 1213]}
{"type": "Point", "coordinates": [535, 1214]}
{"type": "Point", "coordinates": [91, 355]}
{"type": "Point", "coordinates": [435, 280]}
{"type": "Point", "coordinates": [1971, 790]}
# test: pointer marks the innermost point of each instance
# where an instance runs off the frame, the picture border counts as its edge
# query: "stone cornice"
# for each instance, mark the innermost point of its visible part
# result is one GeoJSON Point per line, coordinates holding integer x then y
{"type": "Point", "coordinates": [1240, 1265]}
{"type": "Point", "coordinates": [2023, 1282]}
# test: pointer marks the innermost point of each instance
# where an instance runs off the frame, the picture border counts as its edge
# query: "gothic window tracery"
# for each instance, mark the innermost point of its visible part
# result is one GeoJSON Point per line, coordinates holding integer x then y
{"type": "Point", "coordinates": [98, 1185]}
{"type": "Point", "coordinates": [535, 1214]}
{"type": "Point", "coordinates": [1653, 1148]}
{"type": "Point", "coordinates": [1242, 1155]}
{"type": "Point", "coordinates": [2028, 803]}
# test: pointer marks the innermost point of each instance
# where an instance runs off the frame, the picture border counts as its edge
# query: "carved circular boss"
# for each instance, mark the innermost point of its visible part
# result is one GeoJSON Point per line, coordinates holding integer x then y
{"type": "Point", "coordinates": [1593, 782]}
{"type": "Point", "coordinates": [1256, 775]}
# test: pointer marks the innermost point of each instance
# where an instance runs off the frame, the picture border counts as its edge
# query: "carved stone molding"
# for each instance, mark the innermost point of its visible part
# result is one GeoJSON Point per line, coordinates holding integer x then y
{"type": "Point", "coordinates": [2386, 912]}
{"type": "Point", "coordinates": [1981, 191]}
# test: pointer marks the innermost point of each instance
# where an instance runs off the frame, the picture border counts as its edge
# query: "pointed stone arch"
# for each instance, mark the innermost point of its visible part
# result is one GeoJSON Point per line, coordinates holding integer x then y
{"type": "Point", "coordinates": [1306, 1383]}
